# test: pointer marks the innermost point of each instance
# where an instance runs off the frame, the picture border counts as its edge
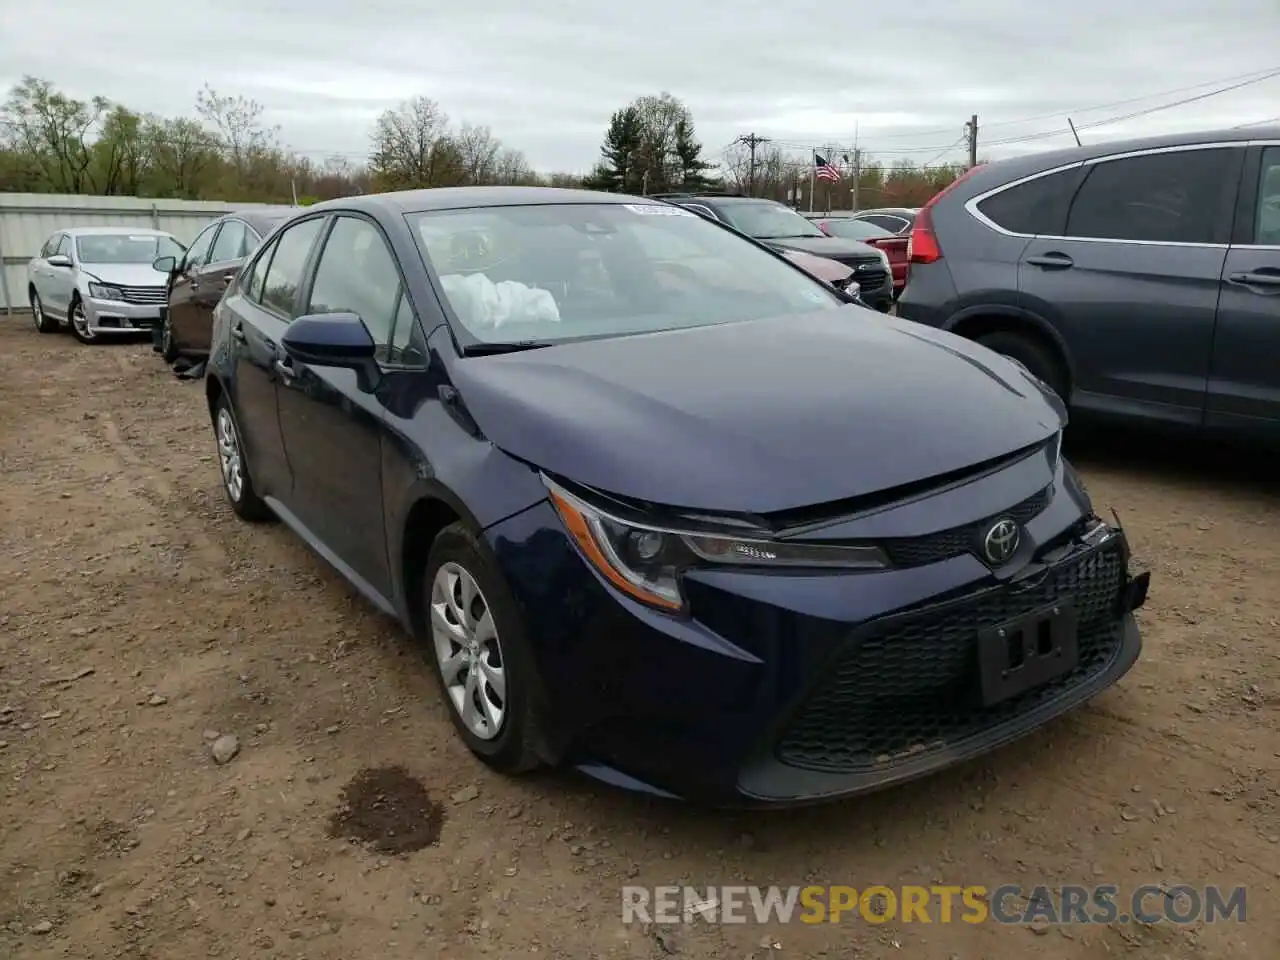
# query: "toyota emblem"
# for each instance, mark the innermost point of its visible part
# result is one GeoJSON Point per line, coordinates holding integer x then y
{"type": "Point", "coordinates": [1001, 542]}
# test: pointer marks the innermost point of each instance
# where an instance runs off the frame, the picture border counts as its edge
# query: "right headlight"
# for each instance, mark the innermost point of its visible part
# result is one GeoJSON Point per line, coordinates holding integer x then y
{"type": "Point", "coordinates": [645, 561]}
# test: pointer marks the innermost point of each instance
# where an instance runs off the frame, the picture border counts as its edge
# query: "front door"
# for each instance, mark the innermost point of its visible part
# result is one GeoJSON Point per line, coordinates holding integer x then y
{"type": "Point", "coordinates": [332, 429]}
{"type": "Point", "coordinates": [184, 285]}
{"type": "Point", "coordinates": [61, 281]}
{"type": "Point", "coordinates": [1133, 284]}
{"type": "Point", "coordinates": [210, 282]}
{"type": "Point", "coordinates": [259, 311]}
{"type": "Point", "coordinates": [1244, 386]}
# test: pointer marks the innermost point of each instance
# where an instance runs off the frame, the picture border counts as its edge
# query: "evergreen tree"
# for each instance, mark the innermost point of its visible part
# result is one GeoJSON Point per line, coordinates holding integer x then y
{"type": "Point", "coordinates": [618, 170]}
{"type": "Point", "coordinates": [689, 152]}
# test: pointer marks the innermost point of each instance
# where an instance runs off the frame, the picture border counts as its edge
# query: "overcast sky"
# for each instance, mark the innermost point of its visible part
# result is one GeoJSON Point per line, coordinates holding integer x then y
{"type": "Point", "coordinates": [545, 75]}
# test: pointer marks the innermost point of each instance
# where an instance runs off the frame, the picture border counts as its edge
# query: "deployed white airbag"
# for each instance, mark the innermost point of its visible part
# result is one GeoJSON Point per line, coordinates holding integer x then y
{"type": "Point", "coordinates": [479, 302]}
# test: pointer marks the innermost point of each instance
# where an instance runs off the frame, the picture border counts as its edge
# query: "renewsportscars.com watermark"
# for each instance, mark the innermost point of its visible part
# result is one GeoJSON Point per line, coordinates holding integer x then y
{"type": "Point", "coordinates": [1006, 904]}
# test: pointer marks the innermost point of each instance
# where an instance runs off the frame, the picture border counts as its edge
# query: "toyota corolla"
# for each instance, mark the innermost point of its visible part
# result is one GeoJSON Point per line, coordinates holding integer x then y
{"type": "Point", "coordinates": [660, 505]}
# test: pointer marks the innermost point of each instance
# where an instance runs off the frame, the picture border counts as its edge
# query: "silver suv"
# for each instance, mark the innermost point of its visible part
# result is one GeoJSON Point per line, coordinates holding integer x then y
{"type": "Point", "coordinates": [100, 280]}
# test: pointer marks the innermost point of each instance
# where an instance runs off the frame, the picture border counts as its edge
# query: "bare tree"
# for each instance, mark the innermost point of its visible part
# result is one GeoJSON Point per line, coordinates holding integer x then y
{"type": "Point", "coordinates": [237, 121]}
{"type": "Point", "coordinates": [478, 151]}
{"type": "Point", "coordinates": [412, 148]}
{"type": "Point", "coordinates": [54, 131]}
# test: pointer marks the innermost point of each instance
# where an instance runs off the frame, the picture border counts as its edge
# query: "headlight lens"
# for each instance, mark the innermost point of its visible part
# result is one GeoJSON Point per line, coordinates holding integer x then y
{"type": "Point", "coordinates": [101, 291]}
{"type": "Point", "coordinates": [645, 562]}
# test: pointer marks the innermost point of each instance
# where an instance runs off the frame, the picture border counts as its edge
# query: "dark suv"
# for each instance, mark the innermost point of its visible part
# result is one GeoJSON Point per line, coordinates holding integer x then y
{"type": "Point", "coordinates": [1139, 279]}
{"type": "Point", "coordinates": [778, 226]}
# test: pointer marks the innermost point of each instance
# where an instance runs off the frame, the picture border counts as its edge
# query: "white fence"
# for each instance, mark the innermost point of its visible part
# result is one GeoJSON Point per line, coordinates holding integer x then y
{"type": "Point", "coordinates": [28, 219]}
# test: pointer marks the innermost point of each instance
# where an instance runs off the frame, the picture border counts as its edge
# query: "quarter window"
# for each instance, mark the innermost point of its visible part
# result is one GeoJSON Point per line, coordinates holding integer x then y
{"type": "Point", "coordinates": [1267, 232]}
{"type": "Point", "coordinates": [284, 276]}
{"type": "Point", "coordinates": [1038, 206]}
{"type": "Point", "coordinates": [231, 243]}
{"type": "Point", "coordinates": [407, 348]}
{"type": "Point", "coordinates": [1163, 198]}
{"type": "Point", "coordinates": [357, 274]}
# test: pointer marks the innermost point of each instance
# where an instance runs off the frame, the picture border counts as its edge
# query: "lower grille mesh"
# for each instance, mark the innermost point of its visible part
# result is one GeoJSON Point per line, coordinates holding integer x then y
{"type": "Point", "coordinates": [911, 686]}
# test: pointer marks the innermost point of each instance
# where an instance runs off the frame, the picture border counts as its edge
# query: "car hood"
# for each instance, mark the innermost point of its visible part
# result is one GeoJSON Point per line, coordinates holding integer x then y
{"type": "Point", "coordinates": [125, 274]}
{"type": "Point", "coordinates": [758, 416]}
{"type": "Point", "coordinates": [824, 246]}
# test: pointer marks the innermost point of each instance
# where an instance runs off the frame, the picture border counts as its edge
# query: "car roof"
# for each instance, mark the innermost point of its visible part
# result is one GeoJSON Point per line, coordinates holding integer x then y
{"type": "Point", "coordinates": [459, 198]}
{"type": "Point", "coordinates": [115, 231]}
{"type": "Point", "coordinates": [999, 172]}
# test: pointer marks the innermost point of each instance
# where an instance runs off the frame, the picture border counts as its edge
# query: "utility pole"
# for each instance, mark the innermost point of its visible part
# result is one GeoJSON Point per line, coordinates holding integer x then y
{"type": "Point", "coordinates": [752, 141]}
{"type": "Point", "coordinates": [971, 132]}
{"type": "Point", "coordinates": [857, 166]}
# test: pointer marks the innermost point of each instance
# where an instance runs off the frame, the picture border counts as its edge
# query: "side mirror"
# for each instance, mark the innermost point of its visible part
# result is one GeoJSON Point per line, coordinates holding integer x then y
{"type": "Point", "coordinates": [333, 340]}
{"type": "Point", "coordinates": [164, 264]}
{"type": "Point", "coordinates": [59, 260]}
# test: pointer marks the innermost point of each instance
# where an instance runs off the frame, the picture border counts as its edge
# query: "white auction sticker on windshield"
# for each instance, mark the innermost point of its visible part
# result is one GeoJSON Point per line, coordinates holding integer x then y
{"type": "Point", "coordinates": [140, 237]}
{"type": "Point", "coordinates": [659, 210]}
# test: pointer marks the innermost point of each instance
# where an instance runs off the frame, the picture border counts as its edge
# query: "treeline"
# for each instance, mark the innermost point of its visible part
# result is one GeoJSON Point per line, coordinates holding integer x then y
{"type": "Point", "coordinates": [53, 143]}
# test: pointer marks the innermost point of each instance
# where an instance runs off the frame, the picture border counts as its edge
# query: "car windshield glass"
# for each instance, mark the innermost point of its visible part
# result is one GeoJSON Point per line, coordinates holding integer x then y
{"type": "Point", "coordinates": [566, 271]}
{"type": "Point", "coordinates": [125, 247]}
{"type": "Point", "coordinates": [768, 221]}
{"type": "Point", "coordinates": [855, 229]}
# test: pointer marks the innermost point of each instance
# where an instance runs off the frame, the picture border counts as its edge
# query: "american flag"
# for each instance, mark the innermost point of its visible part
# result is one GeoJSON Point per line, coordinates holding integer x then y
{"type": "Point", "coordinates": [824, 170]}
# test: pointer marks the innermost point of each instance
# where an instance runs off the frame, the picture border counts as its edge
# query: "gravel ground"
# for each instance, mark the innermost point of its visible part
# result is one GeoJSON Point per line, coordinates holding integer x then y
{"type": "Point", "coordinates": [197, 717]}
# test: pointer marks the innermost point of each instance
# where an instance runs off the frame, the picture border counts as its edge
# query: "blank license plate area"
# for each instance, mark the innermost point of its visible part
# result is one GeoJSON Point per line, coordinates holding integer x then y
{"type": "Point", "coordinates": [1021, 654]}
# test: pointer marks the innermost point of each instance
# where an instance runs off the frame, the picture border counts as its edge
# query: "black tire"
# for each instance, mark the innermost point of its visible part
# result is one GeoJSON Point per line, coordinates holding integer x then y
{"type": "Point", "coordinates": [44, 323]}
{"type": "Point", "coordinates": [515, 749]}
{"type": "Point", "coordinates": [77, 310]}
{"type": "Point", "coordinates": [1033, 354]}
{"type": "Point", "coordinates": [246, 503]}
{"type": "Point", "coordinates": [169, 352]}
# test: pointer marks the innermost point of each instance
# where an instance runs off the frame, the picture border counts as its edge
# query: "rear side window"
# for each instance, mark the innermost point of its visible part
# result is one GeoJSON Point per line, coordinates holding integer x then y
{"type": "Point", "coordinates": [1162, 198]}
{"type": "Point", "coordinates": [1038, 206]}
{"type": "Point", "coordinates": [284, 276]}
{"type": "Point", "coordinates": [1267, 230]}
{"type": "Point", "coordinates": [231, 244]}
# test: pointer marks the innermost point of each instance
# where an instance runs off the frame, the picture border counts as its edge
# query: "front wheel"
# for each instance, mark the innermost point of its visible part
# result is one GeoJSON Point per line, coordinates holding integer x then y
{"type": "Point", "coordinates": [236, 483]}
{"type": "Point", "coordinates": [80, 323]}
{"type": "Point", "coordinates": [168, 349]}
{"type": "Point", "coordinates": [482, 656]}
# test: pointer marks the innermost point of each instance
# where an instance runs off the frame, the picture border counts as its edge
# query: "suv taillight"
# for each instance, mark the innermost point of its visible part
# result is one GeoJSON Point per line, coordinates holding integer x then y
{"type": "Point", "coordinates": [922, 246]}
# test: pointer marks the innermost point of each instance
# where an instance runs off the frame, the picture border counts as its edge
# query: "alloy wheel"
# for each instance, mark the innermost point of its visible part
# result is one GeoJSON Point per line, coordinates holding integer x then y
{"type": "Point", "coordinates": [468, 651]}
{"type": "Point", "coordinates": [229, 458]}
{"type": "Point", "coordinates": [37, 312]}
{"type": "Point", "coordinates": [80, 322]}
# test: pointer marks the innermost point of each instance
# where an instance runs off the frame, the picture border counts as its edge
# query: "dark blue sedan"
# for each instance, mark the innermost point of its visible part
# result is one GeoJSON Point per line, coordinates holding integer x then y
{"type": "Point", "coordinates": [664, 507]}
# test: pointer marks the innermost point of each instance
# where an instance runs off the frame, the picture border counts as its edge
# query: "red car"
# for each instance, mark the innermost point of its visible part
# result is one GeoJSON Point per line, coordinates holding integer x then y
{"type": "Point", "coordinates": [893, 244]}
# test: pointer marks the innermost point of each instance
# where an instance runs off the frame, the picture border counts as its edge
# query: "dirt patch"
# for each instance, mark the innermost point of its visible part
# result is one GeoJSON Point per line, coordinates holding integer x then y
{"type": "Point", "coordinates": [389, 810]}
{"type": "Point", "coordinates": [137, 616]}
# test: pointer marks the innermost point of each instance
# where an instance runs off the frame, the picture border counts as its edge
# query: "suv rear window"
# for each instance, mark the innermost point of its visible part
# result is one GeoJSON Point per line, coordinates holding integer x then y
{"type": "Point", "coordinates": [1038, 206]}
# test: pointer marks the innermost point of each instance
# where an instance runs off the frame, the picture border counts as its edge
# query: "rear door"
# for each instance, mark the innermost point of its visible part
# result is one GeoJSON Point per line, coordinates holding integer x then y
{"type": "Point", "coordinates": [332, 429]}
{"type": "Point", "coordinates": [1244, 385]}
{"type": "Point", "coordinates": [264, 304]}
{"type": "Point", "coordinates": [184, 308]}
{"type": "Point", "coordinates": [1132, 282]}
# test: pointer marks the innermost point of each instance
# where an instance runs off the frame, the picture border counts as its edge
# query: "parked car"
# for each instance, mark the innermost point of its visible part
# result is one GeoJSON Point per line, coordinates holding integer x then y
{"type": "Point", "coordinates": [643, 489]}
{"type": "Point", "coordinates": [839, 275]}
{"type": "Point", "coordinates": [99, 281]}
{"type": "Point", "coordinates": [198, 278]}
{"type": "Point", "coordinates": [778, 226]}
{"type": "Point", "coordinates": [1139, 279]}
{"type": "Point", "coordinates": [894, 219]}
{"type": "Point", "coordinates": [851, 228]}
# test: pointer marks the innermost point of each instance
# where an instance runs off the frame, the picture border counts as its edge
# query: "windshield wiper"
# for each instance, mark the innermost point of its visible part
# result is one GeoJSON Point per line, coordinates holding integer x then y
{"type": "Point", "coordinates": [505, 346]}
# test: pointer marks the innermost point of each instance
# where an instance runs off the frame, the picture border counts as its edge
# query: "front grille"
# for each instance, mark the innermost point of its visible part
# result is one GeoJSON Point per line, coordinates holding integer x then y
{"type": "Point", "coordinates": [934, 547]}
{"type": "Point", "coordinates": [144, 296]}
{"type": "Point", "coordinates": [909, 686]}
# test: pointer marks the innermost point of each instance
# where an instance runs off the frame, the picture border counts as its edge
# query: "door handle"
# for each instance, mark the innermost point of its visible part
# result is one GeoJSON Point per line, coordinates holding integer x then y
{"type": "Point", "coordinates": [228, 277]}
{"type": "Point", "coordinates": [1052, 261]}
{"type": "Point", "coordinates": [237, 333]}
{"type": "Point", "coordinates": [284, 367]}
{"type": "Point", "coordinates": [1255, 279]}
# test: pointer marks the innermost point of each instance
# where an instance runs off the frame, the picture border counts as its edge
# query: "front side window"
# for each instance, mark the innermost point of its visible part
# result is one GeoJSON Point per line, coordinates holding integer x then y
{"type": "Point", "coordinates": [567, 271]}
{"type": "Point", "coordinates": [357, 274]}
{"type": "Point", "coordinates": [1267, 231]}
{"type": "Point", "coordinates": [64, 246]}
{"type": "Point", "coordinates": [768, 221]}
{"type": "Point", "coordinates": [103, 248]}
{"type": "Point", "coordinates": [1163, 197]}
{"type": "Point", "coordinates": [284, 275]}
{"type": "Point", "coordinates": [254, 276]}
{"type": "Point", "coordinates": [198, 252]}
{"type": "Point", "coordinates": [51, 246]}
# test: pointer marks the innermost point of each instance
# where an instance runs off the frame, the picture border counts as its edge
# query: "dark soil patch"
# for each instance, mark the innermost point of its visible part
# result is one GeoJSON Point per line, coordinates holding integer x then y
{"type": "Point", "coordinates": [388, 809]}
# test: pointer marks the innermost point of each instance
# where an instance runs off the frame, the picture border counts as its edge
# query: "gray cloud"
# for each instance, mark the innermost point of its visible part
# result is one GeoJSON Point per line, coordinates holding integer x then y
{"type": "Point", "coordinates": [546, 76]}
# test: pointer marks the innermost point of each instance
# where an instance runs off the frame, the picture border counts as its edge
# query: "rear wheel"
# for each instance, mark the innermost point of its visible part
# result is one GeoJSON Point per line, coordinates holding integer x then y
{"type": "Point", "coordinates": [482, 656]}
{"type": "Point", "coordinates": [44, 323]}
{"type": "Point", "coordinates": [1033, 354]}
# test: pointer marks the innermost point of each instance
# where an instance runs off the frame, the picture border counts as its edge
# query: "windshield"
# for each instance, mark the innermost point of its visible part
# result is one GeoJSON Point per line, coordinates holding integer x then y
{"type": "Point", "coordinates": [855, 229]}
{"type": "Point", "coordinates": [126, 247]}
{"type": "Point", "coordinates": [768, 221]}
{"type": "Point", "coordinates": [566, 271]}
